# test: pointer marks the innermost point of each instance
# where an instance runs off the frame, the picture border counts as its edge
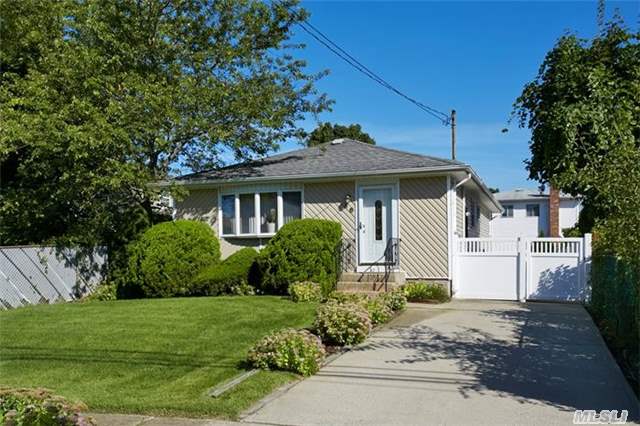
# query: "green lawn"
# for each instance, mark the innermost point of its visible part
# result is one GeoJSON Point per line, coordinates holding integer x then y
{"type": "Point", "coordinates": [145, 356]}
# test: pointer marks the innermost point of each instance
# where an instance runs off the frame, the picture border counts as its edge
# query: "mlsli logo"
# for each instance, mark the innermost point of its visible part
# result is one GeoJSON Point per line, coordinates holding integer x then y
{"type": "Point", "coordinates": [592, 417]}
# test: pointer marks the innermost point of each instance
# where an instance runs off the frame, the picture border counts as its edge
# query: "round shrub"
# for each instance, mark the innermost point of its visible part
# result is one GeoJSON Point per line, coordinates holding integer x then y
{"type": "Point", "coordinates": [237, 274]}
{"type": "Point", "coordinates": [166, 258]}
{"type": "Point", "coordinates": [306, 291]}
{"type": "Point", "coordinates": [425, 292]}
{"type": "Point", "coordinates": [395, 300]}
{"type": "Point", "coordinates": [291, 350]}
{"type": "Point", "coordinates": [342, 324]}
{"type": "Point", "coordinates": [379, 311]}
{"type": "Point", "coordinates": [302, 250]}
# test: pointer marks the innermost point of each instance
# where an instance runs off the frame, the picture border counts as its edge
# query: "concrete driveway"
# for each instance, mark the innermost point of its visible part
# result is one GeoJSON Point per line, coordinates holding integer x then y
{"type": "Point", "coordinates": [465, 362]}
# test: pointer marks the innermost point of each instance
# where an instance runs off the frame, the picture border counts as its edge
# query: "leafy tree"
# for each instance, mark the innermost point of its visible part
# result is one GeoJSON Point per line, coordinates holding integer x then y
{"type": "Point", "coordinates": [326, 132]}
{"type": "Point", "coordinates": [99, 99]}
{"type": "Point", "coordinates": [583, 110]}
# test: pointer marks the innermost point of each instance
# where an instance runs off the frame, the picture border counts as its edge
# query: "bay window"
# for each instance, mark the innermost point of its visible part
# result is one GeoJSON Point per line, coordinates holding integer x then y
{"type": "Point", "coordinates": [258, 213]}
{"type": "Point", "coordinates": [228, 209]}
{"type": "Point", "coordinates": [292, 206]}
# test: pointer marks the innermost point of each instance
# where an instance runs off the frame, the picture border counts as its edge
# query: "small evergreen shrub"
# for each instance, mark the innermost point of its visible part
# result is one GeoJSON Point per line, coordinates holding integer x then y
{"type": "Point", "coordinates": [306, 291]}
{"type": "Point", "coordinates": [167, 256]}
{"type": "Point", "coordinates": [39, 407]}
{"type": "Point", "coordinates": [104, 292]}
{"type": "Point", "coordinates": [395, 299]}
{"type": "Point", "coordinates": [425, 292]}
{"type": "Point", "coordinates": [290, 350]}
{"type": "Point", "coordinates": [342, 324]}
{"type": "Point", "coordinates": [234, 275]}
{"type": "Point", "coordinates": [379, 311]}
{"type": "Point", "coordinates": [302, 250]}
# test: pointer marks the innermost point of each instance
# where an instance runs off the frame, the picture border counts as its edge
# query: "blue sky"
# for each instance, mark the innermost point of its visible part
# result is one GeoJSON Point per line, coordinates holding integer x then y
{"type": "Point", "coordinates": [474, 57]}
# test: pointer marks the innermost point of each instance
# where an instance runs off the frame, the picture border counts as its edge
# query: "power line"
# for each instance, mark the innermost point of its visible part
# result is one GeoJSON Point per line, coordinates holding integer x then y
{"type": "Point", "coordinates": [349, 59]}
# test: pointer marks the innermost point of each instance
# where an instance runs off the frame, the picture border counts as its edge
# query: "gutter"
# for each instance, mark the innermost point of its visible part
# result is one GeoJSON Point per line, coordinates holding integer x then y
{"type": "Point", "coordinates": [216, 182]}
{"type": "Point", "coordinates": [463, 181]}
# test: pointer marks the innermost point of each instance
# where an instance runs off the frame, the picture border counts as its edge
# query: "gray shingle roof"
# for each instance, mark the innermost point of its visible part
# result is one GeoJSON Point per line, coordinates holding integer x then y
{"type": "Point", "coordinates": [340, 156]}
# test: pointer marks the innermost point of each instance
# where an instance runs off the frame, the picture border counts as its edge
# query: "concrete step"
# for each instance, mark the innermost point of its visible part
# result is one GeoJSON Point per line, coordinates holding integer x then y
{"type": "Point", "coordinates": [359, 286]}
{"type": "Point", "coordinates": [372, 277]}
{"type": "Point", "coordinates": [365, 293]}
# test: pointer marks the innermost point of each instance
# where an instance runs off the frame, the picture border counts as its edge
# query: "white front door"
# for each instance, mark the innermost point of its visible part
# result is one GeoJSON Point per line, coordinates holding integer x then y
{"type": "Point", "coordinates": [375, 223]}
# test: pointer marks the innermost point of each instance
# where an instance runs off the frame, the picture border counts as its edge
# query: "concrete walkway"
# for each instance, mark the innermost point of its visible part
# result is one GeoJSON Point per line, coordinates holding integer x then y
{"type": "Point", "coordinates": [465, 362]}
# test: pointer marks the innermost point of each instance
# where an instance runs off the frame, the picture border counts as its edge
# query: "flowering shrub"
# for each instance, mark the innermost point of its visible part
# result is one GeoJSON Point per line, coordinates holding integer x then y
{"type": "Point", "coordinates": [292, 350]}
{"type": "Point", "coordinates": [306, 291]}
{"type": "Point", "coordinates": [395, 300]}
{"type": "Point", "coordinates": [379, 311]}
{"type": "Point", "coordinates": [342, 323]}
{"type": "Point", "coordinates": [425, 292]}
{"type": "Point", "coordinates": [357, 298]}
{"type": "Point", "coordinates": [39, 407]}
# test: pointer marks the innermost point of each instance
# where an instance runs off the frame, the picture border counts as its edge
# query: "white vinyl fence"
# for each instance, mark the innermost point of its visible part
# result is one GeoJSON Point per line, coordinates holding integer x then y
{"type": "Point", "coordinates": [34, 274]}
{"type": "Point", "coordinates": [552, 269]}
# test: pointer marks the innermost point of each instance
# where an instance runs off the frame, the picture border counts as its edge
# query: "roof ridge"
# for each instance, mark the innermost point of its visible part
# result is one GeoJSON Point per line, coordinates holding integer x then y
{"type": "Point", "coordinates": [431, 157]}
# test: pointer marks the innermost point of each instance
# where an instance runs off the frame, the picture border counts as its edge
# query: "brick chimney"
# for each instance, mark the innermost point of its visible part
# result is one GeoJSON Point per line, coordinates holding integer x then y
{"type": "Point", "coordinates": [554, 212]}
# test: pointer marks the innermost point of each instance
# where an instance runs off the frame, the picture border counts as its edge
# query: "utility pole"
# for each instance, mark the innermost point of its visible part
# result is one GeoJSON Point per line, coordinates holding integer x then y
{"type": "Point", "coordinates": [453, 134]}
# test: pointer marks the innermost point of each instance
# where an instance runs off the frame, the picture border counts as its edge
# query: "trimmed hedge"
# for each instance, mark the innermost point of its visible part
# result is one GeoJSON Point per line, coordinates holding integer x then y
{"type": "Point", "coordinates": [166, 258]}
{"type": "Point", "coordinates": [233, 276]}
{"type": "Point", "coordinates": [302, 250]}
{"type": "Point", "coordinates": [615, 307]}
{"type": "Point", "coordinates": [39, 407]}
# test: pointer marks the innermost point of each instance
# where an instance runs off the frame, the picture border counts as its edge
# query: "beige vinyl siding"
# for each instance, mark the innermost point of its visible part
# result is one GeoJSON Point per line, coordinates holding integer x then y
{"type": "Point", "coordinates": [481, 228]}
{"type": "Point", "coordinates": [460, 212]}
{"type": "Point", "coordinates": [201, 204]}
{"type": "Point", "coordinates": [423, 227]}
{"type": "Point", "coordinates": [483, 221]}
{"type": "Point", "coordinates": [326, 201]}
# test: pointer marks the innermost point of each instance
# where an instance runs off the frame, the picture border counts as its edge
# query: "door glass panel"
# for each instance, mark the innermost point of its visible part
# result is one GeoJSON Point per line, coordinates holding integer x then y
{"type": "Point", "coordinates": [378, 219]}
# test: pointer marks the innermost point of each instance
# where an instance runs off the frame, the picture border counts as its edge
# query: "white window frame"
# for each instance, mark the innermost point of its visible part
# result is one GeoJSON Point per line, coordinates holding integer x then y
{"type": "Point", "coordinates": [534, 205]}
{"type": "Point", "coordinates": [504, 216]}
{"type": "Point", "coordinates": [257, 232]}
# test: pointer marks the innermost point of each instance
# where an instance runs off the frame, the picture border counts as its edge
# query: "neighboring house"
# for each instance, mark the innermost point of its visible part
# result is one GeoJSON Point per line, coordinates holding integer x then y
{"type": "Point", "coordinates": [528, 213]}
{"type": "Point", "coordinates": [381, 197]}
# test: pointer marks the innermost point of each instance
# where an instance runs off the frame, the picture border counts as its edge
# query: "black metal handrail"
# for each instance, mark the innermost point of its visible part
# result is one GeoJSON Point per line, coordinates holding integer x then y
{"type": "Point", "coordinates": [391, 258]}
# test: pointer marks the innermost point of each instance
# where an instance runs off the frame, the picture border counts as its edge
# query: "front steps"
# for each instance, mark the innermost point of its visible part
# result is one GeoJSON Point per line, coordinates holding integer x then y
{"type": "Point", "coordinates": [369, 282]}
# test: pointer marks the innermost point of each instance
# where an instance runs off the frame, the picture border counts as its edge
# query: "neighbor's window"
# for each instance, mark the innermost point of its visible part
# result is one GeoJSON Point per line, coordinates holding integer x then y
{"type": "Point", "coordinates": [291, 206]}
{"type": "Point", "coordinates": [247, 213]}
{"type": "Point", "coordinates": [508, 211]}
{"type": "Point", "coordinates": [228, 214]}
{"type": "Point", "coordinates": [533, 210]}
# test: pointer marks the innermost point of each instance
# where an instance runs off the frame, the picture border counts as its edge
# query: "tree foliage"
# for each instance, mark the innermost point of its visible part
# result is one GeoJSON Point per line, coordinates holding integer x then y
{"type": "Point", "coordinates": [98, 99]}
{"type": "Point", "coordinates": [583, 110]}
{"type": "Point", "coordinates": [326, 132]}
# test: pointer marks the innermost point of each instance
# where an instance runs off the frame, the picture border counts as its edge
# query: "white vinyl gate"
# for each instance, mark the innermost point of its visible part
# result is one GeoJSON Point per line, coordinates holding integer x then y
{"type": "Point", "coordinates": [552, 269]}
